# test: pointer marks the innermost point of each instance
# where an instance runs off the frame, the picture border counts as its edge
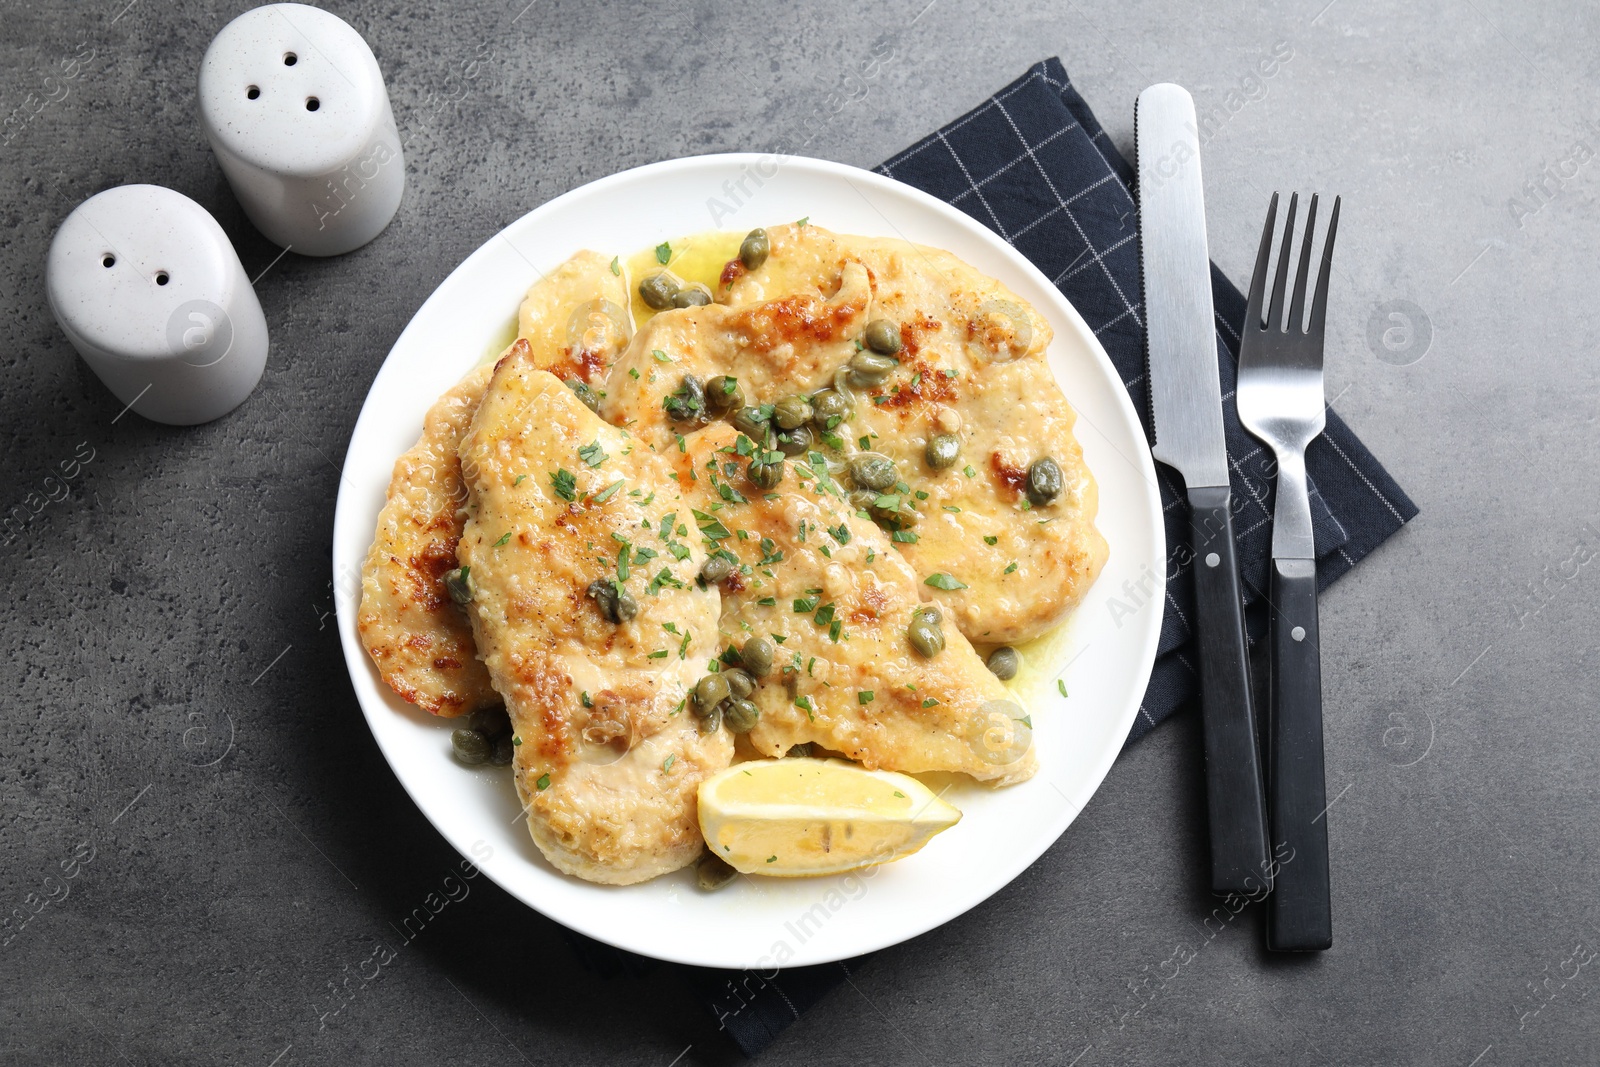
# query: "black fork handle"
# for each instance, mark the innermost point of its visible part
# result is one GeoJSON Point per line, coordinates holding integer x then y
{"type": "Point", "coordinates": [1299, 914]}
{"type": "Point", "coordinates": [1234, 795]}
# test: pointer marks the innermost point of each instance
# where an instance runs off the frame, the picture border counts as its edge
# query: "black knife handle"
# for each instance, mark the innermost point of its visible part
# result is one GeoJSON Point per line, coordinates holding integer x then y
{"type": "Point", "coordinates": [1234, 793]}
{"type": "Point", "coordinates": [1299, 914]}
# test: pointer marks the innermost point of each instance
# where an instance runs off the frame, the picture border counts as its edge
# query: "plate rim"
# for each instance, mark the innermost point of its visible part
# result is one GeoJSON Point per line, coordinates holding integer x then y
{"type": "Point", "coordinates": [356, 657]}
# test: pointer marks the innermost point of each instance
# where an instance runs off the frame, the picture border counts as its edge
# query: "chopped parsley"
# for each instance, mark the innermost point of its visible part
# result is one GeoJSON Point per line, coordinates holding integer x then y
{"type": "Point", "coordinates": [969, 472]}
{"type": "Point", "coordinates": [663, 577]}
{"type": "Point", "coordinates": [666, 764]}
{"type": "Point", "coordinates": [593, 454]}
{"type": "Point", "coordinates": [1061, 685]}
{"type": "Point", "coordinates": [941, 580]}
{"type": "Point", "coordinates": [607, 493]}
{"type": "Point", "coordinates": [544, 781]}
{"type": "Point", "coordinates": [904, 537]}
{"type": "Point", "coordinates": [565, 485]}
{"type": "Point", "coordinates": [663, 253]}
{"type": "Point", "coordinates": [1011, 568]}
{"type": "Point", "coordinates": [865, 697]}
{"type": "Point", "coordinates": [659, 653]}
{"type": "Point", "coordinates": [710, 525]}
{"type": "Point", "coordinates": [518, 482]}
{"type": "Point", "coordinates": [930, 703]}
{"type": "Point", "coordinates": [503, 539]}
{"type": "Point", "coordinates": [991, 540]}
{"type": "Point", "coordinates": [616, 266]}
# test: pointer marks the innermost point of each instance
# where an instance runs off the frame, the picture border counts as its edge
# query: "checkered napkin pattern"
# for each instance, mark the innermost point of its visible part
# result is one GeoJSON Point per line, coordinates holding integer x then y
{"type": "Point", "coordinates": [1034, 165]}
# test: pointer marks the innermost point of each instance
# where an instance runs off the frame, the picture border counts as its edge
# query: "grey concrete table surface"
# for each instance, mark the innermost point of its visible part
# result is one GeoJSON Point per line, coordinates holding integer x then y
{"type": "Point", "coordinates": [180, 734]}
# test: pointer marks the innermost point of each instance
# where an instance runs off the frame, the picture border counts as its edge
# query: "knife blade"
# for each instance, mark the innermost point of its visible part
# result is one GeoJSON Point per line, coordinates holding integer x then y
{"type": "Point", "coordinates": [1186, 405]}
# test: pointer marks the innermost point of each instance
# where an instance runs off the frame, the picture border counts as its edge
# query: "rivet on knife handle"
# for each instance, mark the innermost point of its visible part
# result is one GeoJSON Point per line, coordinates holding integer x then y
{"type": "Point", "coordinates": [1186, 405]}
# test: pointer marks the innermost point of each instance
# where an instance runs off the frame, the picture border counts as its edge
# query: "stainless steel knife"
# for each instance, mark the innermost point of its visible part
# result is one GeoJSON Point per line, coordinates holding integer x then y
{"type": "Point", "coordinates": [1186, 401]}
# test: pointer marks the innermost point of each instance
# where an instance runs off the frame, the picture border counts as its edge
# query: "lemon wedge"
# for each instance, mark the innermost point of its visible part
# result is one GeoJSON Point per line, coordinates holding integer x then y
{"type": "Point", "coordinates": [798, 817]}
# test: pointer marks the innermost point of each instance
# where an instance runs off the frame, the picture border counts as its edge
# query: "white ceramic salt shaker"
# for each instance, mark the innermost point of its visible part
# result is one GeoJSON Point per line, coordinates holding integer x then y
{"type": "Point", "coordinates": [150, 292]}
{"type": "Point", "coordinates": [295, 108]}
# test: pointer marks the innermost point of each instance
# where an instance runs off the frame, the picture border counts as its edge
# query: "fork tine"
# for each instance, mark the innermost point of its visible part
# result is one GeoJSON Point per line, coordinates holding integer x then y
{"type": "Point", "coordinates": [1302, 276]}
{"type": "Point", "coordinates": [1258, 281]}
{"type": "Point", "coordinates": [1319, 302]}
{"type": "Point", "coordinates": [1275, 313]}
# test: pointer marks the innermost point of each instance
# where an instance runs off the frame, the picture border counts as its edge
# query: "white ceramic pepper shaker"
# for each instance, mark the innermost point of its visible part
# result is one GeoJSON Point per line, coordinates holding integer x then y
{"type": "Point", "coordinates": [150, 292]}
{"type": "Point", "coordinates": [295, 108]}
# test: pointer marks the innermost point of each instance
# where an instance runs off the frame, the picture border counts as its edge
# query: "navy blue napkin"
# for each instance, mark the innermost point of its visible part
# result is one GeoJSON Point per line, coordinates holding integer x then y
{"type": "Point", "coordinates": [1033, 164]}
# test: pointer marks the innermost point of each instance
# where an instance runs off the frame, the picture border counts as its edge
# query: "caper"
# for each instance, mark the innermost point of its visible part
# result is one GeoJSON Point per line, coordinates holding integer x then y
{"type": "Point", "coordinates": [943, 450]}
{"type": "Point", "coordinates": [688, 403]}
{"type": "Point", "coordinates": [756, 655]}
{"type": "Point", "coordinates": [869, 368]}
{"type": "Point", "coordinates": [709, 692]}
{"type": "Point", "coordinates": [882, 336]}
{"type": "Point", "coordinates": [616, 605]}
{"type": "Point", "coordinates": [1044, 480]}
{"type": "Point", "coordinates": [793, 410]}
{"type": "Point", "coordinates": [795, 442]}
{"type": "Point", "coordinates": [741, 716]}
{"type": "Point", "coordinates": [710, 873]}
{"type": "Point", "coordinates": [764, 474]}
{"type": "Point", "coordinates": [589, 398]}
{"type": "Point", "coordinates": [829, 408]}
{"type": "Point", "coordinates": [711, 721]}
{"type": "Point", "coordinates": [752, 423]}
{"type": "Point", "coordinates": [929, 613]}
{"type": "Point", "coordinates": [871, 470]}
{"type": "Point", "coordinates": [863, 499]}
{"type": "Point", "coordinates": [491, 722]}
{"type": "Point", "coordinates": [740, 684]}
{"type": "Point", "coordinates": [902, 517]}
{"type": "Point", "coordinates": [505, 747]}
{"type": "Point", "coordinates": [924, 633]}
{"type": "Point", "coordinates": [1004, 662]}
{"type": "Point", "coordinates": [693, 297]}
{"type": "Point", "coordinates": [753, 250]}
{"type": "Point", "coordinates": [723, 394]}
{"type": "Point", "coordinates": [658, 291]}
{"type": "Point", "coordinates": [459, 584]}
{"type": "Point", "coordinates": [715, 569]}
{"type": "Point", "coordinates": [470, 746]}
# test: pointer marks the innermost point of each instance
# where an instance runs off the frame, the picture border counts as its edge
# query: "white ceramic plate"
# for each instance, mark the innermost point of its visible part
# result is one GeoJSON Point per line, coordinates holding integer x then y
{"type": "Point", "coordinates": [768, 922]}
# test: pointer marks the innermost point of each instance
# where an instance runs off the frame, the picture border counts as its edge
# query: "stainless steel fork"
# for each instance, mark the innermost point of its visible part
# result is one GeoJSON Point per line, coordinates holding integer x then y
{"type": "Point", "coordinates": [1280, 401]}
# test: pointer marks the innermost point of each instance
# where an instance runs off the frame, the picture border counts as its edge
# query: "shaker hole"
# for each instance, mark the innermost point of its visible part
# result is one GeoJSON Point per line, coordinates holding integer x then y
{"type": "Point", "coordinates": [162, 277]}
{"type": "Point", "coordinates": [290, 59]}
{"type": "Point", "coordinates": [253, 92]}
{"type": "Point", "coordinates": [108, 260]}
{"type": "Point", "coordinates": [312, 103]}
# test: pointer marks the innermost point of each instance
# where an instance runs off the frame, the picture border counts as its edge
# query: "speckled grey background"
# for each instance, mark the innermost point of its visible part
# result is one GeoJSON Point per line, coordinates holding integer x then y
{"type": "Point", "coordinates": [177, 715]}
